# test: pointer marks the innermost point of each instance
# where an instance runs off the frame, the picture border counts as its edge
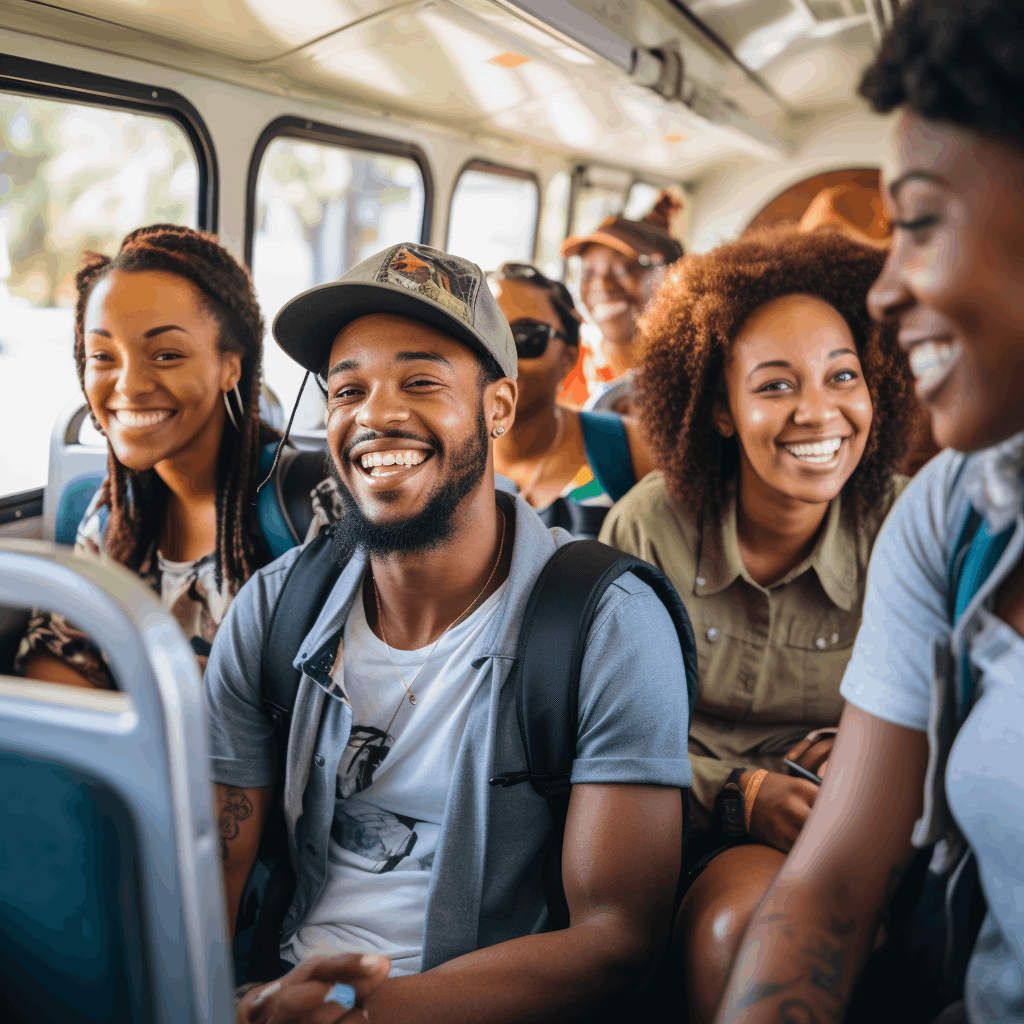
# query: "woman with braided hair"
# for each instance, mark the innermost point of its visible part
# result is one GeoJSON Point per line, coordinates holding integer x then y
{"type": "Point", "coordinates": [168, 347]}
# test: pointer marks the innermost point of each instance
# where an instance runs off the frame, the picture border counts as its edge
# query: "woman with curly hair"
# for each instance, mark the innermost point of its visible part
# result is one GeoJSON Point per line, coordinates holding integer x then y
{"type": "Point", "coordinates": [168, 346]}
{"type": "Point", "coordinates": [777, 410]}
{"type": "Point", "coordinates": [928, 753]}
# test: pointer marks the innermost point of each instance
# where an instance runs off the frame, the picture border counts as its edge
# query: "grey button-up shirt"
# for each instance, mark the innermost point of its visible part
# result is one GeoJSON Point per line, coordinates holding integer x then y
{"type": "Point", "coordinates": [486, 885]}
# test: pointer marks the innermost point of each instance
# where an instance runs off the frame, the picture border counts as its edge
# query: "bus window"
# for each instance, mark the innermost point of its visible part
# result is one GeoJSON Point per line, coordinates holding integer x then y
{"type": "Point", "coordinates": [321, 208]}
{"type": "Point", "coordinates": [493, 215]}
{"type": "Point", "coordinates": [554, 224]}
{"type": "Point", "coordinates": [642, 197]}
{"type": "Point", "coordinates": [600, 193]}
{"type": "Point", "coordinates": [72, 177]}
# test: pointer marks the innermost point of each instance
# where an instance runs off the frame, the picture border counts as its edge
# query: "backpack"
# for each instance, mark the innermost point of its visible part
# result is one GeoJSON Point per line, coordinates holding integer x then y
{"type": "Point", "coordinates": [549, 660]}
{"type": "Point", "coordinates": [934, 919]}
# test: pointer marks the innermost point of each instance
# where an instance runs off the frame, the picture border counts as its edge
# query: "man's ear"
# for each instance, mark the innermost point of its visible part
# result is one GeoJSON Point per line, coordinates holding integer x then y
{"type": "Point", "coordinates": [722, 418]}
{"type": "Point", "coordinates": [500, 405]}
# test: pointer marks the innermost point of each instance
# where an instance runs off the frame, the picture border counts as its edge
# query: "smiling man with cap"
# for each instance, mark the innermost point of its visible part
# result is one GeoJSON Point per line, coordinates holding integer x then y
{"type": "Point", "coordinates": [403, 713]}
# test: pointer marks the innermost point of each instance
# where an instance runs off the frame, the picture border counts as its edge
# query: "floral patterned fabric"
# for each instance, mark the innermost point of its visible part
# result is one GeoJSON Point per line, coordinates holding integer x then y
{"type": "Point", "coordinates": [188, 590]}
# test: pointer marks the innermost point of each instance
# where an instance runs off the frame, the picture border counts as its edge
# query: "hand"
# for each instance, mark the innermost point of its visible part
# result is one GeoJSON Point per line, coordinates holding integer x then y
{"type": "Point", "coordinates": [781, 808]}
{"type": "Point", "coordinates": [298, 997]}
{"type": "Point", "coordinates": [812, 754]}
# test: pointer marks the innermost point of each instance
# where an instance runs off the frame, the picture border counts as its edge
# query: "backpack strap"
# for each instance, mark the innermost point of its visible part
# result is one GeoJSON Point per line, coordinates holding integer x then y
{"type": "Point", "coordinates": [975, 556]}
{"type": "Point", "coordinates": [549, 660]}
{"type": "Point", "coordinates": [310, 579]}
{"type": "Point", "coordinates": [604, 440]}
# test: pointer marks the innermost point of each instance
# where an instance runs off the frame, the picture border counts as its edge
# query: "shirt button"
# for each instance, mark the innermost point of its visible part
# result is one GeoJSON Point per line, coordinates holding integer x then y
{"type": "Point", "coordinates": [319, 760]}
{"type": "Point", "coordinates": [712, 634]}
{"type": "Point", "coordinates": [701, 581]}
{"type": "Point", "coordinates": [820, 642]}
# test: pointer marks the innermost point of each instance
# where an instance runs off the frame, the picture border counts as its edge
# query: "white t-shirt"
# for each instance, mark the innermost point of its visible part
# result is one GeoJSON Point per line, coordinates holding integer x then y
{"type": "Point", "coordinates": [392, 787]}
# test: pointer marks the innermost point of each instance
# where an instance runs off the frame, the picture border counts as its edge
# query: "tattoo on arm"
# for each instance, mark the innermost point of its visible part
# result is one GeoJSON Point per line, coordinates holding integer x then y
{"type": "Point", "coordinates": [237, 807]}
{"type": "Point", "coordinates": [814, 994]}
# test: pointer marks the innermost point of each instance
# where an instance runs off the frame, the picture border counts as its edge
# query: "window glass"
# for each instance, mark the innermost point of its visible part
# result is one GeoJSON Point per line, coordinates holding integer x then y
{"type": "Point", "coordinates": [641, 198]}
{"type": "Point", "coordinates": [72, 177]}
{"type": "Point", "coordinates": [553, 221]}
{"type": "Point", "coordinates": [594, 202]}
{"type": "Point", "coordinates": [493, 217]}
{"type": "Point", "coordinates": [320, 210]}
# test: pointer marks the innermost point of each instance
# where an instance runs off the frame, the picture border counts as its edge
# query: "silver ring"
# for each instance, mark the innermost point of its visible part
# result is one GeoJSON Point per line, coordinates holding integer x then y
{"type": "Point", "coordinates": [342, 994]}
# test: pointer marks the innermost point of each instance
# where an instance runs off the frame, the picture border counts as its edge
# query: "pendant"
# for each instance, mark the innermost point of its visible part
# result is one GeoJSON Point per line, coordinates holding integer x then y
{"type": "Point", "coordinates": [412, 698]}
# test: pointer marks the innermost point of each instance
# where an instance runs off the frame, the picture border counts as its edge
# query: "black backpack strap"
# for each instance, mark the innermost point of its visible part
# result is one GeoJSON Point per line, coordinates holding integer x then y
{"type": "Point", "coordinates": [310, 579]}
{"type": "Point", "coordinates": [549, 660]}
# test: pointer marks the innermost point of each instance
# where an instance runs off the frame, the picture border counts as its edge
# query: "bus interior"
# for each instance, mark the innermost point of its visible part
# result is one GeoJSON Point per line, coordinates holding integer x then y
{"type": "Point", "coordinates": [308, 135]}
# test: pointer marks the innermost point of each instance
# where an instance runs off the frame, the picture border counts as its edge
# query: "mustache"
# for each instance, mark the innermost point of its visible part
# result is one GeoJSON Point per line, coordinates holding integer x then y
{"type": "Point", "coordinates": [377, 435]}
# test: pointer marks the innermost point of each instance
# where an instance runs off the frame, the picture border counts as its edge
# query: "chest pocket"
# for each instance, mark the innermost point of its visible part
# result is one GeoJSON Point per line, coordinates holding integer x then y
{"type": "Point", "coordinates": [819, 647]}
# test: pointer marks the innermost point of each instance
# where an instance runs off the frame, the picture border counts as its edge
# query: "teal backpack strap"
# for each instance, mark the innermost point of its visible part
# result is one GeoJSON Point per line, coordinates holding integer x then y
{"type": "Point", "coordinates": [976, 555]}
{"type": "Point", "coordinates": [604, 440]}
{"type": "Point", "coordinates": [273, 524]}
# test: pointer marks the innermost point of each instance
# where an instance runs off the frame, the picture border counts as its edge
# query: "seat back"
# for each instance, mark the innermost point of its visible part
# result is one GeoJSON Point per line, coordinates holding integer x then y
{"type": "Point", "coordinates": [111, 899]}
{"type": "Point", "coordinates": [77, 469]}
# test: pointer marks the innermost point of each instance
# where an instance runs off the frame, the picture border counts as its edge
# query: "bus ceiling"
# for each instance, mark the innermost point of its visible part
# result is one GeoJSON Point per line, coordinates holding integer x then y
{"type": "Point", "coordinates": [667, 85]}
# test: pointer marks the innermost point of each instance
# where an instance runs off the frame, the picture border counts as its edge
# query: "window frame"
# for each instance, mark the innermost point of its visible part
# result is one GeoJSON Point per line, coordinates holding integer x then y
{"type": "Point", "coordinates": [579, 181]}
{"type": "Point", "coordinates": [292, 127]}
{"type": "Point", "coordinates": [502, 171]}
{"type": "Point", "coordinates": [27, 77]}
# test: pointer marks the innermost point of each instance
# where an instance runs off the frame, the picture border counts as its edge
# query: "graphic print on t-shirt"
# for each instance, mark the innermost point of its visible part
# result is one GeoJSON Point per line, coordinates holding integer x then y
{"type": "Point", "coordinates": [380, 838]}
{"type": "Point", "coordinates": [367, 747]}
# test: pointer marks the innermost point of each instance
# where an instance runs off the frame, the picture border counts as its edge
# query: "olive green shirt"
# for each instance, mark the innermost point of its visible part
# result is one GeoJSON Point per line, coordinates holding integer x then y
{"type": "Point", "coordinates": [770, 659]}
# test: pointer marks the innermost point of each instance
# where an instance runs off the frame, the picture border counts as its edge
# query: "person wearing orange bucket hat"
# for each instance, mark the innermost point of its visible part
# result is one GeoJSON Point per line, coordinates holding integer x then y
{"type": "Point", "coordinates": [622, 264]}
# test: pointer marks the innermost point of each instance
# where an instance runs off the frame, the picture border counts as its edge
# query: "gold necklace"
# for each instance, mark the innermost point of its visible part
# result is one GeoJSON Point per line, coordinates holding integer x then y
{"type": "Point", "coordinates": [380, 620]}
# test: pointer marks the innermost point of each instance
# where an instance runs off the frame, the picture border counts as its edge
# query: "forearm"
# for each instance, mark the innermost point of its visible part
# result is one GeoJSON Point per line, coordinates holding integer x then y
{"type": "Point", "coordinates": [548, 977]}
{"type": "Point", "coordinates": [799, 958]}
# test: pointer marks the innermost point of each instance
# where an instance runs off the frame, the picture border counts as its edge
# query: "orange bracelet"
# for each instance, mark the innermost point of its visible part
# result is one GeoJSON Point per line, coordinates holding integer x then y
{"type": "Point", "coordinates": [751, 795]}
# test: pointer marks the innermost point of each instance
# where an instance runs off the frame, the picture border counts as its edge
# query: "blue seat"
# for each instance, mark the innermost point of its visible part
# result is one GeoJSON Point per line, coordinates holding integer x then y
{"type": "Point", "coordinates": [111, 901]}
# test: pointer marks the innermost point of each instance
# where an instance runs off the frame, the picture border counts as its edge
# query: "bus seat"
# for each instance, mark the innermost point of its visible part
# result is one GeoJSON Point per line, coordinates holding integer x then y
{"type": "Point", "coordinates": [111, 900]}
{"type": "Point", "coordinates": [77, 470]}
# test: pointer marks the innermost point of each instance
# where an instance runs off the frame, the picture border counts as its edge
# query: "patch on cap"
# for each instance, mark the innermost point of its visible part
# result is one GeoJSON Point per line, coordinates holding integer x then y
{"type": "Point", "coordinates": [435, 276]}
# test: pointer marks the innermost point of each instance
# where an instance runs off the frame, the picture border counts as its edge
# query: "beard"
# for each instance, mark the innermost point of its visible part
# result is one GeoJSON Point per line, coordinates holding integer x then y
{"type": "Point", "coordinates": [429, 528]}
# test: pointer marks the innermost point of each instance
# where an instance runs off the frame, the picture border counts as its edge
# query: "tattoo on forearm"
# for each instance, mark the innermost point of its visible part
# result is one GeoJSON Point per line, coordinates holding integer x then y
{"type": "Point", "coordinates": [237, 807]}
{"type": "Point", "coordinates": [814, 995]}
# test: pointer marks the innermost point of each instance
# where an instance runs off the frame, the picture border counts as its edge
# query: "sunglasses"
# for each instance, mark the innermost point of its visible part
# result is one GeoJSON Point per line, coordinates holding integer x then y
{"type": "Point", "coordinates": [532, 338]}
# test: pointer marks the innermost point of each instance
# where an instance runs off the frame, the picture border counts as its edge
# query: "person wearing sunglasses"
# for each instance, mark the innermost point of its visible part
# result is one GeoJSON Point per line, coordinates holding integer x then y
{"type": "Point", "coordinates": [569, 465]}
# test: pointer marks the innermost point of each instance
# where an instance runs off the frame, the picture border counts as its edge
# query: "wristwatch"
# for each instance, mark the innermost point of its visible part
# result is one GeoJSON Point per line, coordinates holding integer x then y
{"type": "Point", "coordinates": [730, 805]}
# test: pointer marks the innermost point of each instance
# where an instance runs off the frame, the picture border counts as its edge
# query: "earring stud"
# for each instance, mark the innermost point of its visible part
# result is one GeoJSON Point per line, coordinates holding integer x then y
{"type": "Point", "coordinates": [498, 431]}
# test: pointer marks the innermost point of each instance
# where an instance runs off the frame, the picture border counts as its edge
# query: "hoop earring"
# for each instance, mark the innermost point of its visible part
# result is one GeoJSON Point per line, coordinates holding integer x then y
{"type": "Point", "coordinates": [241, 408]}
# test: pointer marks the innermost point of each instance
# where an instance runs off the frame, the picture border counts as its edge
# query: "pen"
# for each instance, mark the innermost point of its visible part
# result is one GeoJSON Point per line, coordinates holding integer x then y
{"type": "Point", "coordinates": [803, 772]}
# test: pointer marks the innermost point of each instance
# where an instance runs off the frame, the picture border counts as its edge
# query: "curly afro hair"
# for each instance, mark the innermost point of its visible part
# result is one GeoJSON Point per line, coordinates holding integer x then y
{"type": "Point", "coordinates": [689, 328]}
{"type": "Point", "coordinates": [954, 60]}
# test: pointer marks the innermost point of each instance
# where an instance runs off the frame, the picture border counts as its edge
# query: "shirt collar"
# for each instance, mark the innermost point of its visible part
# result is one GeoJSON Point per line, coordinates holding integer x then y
{"type": "Point", "coordinates": [834, 557]}
{"type": "Point", "coordinates": [995, 483]}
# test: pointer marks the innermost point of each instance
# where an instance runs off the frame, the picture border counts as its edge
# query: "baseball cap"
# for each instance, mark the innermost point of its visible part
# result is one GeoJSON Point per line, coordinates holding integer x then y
{"type": "Point", "coordinates": [408, 279]}
{"type": "Point", "coordinates": [648, 241]}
